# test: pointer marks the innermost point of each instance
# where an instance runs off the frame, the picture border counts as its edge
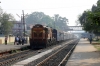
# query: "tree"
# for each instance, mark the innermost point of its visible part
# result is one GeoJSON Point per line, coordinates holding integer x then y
{"type": "Point", "coordinates": [98, 3]}
{"type": "Point", "coordinates": [35, 18]}
{"type": "Point", "coordinates": [93, 8]}
{"type": "Point", "coordinates": [61, 22]}
{"type": "Point", "coordinates": [6, 23]}
{"type": "Point", "coordinates": [95, 14]}
{"type": "Point", "coordinates": [90, 19]}
{"type": "Point", "coordinates": [57, 21]}
{"type": "Point", "coordinates": [39, 18]}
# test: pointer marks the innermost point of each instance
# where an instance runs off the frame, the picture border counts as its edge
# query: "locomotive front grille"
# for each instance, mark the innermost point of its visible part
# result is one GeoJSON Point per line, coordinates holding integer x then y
{"type": "Point", "coordinates": [37, 34]}
{"type": "Point", "coordinates": [40, 34]}
{"type": "Point", "coordinates": [39, 41]}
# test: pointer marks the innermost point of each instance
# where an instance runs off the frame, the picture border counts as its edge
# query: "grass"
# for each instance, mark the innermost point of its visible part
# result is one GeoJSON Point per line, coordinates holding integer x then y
{"type": "Point", "coordinates": [96, 44]}
{"type": "Point", "coordinates": [9, 43]}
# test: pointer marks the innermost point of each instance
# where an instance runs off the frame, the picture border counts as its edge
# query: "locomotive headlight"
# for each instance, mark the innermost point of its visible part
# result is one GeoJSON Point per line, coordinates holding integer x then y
{"type": "Point", "coordinates": [43, 31]}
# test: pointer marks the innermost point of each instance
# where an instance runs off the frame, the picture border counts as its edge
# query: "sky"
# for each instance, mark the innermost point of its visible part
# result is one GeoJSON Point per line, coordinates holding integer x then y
{"type": "Point", "coordinates": [70, 9]}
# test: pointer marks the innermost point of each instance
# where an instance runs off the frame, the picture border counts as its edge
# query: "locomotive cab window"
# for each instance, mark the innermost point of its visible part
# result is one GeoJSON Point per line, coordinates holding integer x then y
{"type": "Point", "coordinates": [46, 30]}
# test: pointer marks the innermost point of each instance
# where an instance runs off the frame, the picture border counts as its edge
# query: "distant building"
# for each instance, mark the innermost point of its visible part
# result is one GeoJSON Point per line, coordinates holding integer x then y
{"type": "Point", "coordinates": [29, 27]}
{"type": "Point", "coordinates": [18, 28]}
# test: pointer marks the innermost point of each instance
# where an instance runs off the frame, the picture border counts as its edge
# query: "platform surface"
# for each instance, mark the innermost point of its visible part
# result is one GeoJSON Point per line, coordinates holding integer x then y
{"type": "Point", "coordinates": [9, 47]}
{"type": "Point", "coordinates": [84, 54]}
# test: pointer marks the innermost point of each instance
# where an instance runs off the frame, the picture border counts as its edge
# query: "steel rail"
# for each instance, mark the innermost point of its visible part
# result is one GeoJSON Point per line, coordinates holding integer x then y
{"type": "Point", "coordinates": [45, 60]}
{"type": "Point", "coordinates": [40, 64]}
{"type": "Point", "coordinates": [67, 55]}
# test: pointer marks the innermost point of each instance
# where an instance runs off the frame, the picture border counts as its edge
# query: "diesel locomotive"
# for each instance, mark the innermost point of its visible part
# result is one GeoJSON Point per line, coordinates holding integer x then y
{"type": "Point", "coordinates": [43, 36]}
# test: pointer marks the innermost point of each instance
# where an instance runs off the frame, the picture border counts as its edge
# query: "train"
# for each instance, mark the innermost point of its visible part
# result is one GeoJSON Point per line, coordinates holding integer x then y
{"type": "Point", "coordinates": [43, 36]}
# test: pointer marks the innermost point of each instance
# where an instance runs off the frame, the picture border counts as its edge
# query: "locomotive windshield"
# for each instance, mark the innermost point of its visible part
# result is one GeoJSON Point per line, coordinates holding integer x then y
{"type": "Point", "coordinates": [38, 26]}
{"type": "Point", "coordinates": [38, 33]}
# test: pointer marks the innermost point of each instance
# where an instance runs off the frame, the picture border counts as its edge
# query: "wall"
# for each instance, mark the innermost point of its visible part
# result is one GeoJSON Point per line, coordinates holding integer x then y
{"type": "Point", "coordinates": [10, 39]}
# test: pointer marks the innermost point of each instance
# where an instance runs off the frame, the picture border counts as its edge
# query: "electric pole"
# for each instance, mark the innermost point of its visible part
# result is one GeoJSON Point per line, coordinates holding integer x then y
{"type": "Point", "coordinates": [23, 22]}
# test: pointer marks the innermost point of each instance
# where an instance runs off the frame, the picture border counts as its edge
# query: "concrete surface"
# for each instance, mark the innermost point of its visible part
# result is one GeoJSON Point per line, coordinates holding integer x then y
{"type": "Point", "coordinates": [84, 55]}
{"type": "Point", "coordinates": [9, 47]}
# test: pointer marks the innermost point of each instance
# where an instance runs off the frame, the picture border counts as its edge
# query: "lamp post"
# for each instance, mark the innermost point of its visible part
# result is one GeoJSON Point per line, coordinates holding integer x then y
{"type": "Point", "coordinates": [0, 27]}
{"type": "Point", "coordinates": [23, 22]}
{"type": "Point", "coordinates": [0, 24]}
{"type": "Point", "coordinates": [54, 24]}
{"type": "Point", "coordinates": [54, 21]}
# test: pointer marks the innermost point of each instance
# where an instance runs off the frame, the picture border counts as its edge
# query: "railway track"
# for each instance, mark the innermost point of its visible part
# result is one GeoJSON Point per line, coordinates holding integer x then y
{"type": "Point", "coordinates": [59, 58]}
{"type": "Point", "coordinates": [13, 58]}
{"type": "Point", "coordinates": [8, 60]}
{"type": "Point", "coordinates": [12, 51]}
{"type": "Point", "coordinates": [56, 58]}
{"type": "Point", "coordinates": [16, 57]}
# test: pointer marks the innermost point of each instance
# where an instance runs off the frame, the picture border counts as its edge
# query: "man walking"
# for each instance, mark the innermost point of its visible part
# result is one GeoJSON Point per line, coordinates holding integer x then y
{"type": "Point", "coordinates": [90, 39]}
{"type": "Point", "coordinates": [6, 38]}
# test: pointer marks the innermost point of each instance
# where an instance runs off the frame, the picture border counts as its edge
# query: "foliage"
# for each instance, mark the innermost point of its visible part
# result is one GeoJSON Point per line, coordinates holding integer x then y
{"type": "Point", "coordinates": [57, 21]}
{"type": "Point", "coordinates": [90, 19]}
{"type": "Point", "coordinates": [6, 23]}
{"type": "Point", "coordinates": [38, 18]}
{"type": "Point", "coordinates": [60, 22]}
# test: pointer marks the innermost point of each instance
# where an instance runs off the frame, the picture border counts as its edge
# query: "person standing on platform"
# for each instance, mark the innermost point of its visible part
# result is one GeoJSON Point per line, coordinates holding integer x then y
{"type": "Point", "coordinates": [23, 40]}
{"type": "Point", "coordinates": [90, 39]}
{"type": "Point", "coordinates": [16, 40]}
{"type": "Point", "coordinates": [6, 38]}
{"type": "Point", "coordinates": [20, 40]}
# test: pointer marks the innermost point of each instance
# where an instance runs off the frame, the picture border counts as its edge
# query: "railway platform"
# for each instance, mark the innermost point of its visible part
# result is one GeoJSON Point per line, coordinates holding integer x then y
{"type": "Point", "coordinates": [9, 47]}
{"type": "Point", "coordinates": [84, 54]}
